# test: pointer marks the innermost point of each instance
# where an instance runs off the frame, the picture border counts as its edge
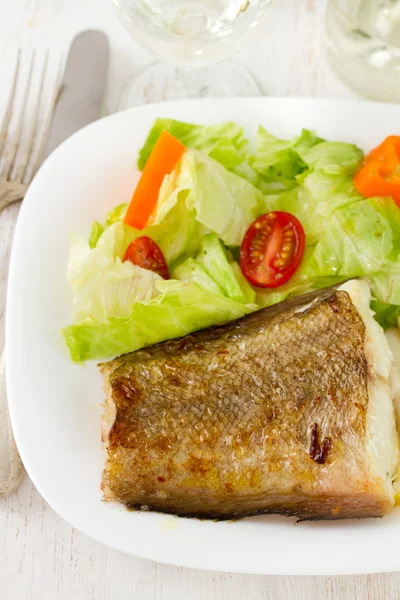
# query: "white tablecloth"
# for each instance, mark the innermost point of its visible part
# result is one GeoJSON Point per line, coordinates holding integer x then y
{"type": "Point", "coordinates": [40, 555]}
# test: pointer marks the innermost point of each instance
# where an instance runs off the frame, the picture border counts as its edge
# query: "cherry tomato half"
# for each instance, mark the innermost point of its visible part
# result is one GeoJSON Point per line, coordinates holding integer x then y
{"type": "Point", "coordinates": [145, 253]}
{"type": "Point", "coordinates": [272, 249]}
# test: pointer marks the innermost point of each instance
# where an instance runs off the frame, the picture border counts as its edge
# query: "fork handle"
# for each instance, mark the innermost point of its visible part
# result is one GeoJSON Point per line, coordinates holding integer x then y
{"type": "Point", "coordinates": [11, 193]}
{"type": "Point", "coordinates": [11, 468]}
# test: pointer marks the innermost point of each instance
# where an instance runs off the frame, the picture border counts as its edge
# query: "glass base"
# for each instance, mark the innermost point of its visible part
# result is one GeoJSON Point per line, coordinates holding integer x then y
{"type": "Point", "coordinates": [365, 59]}
{"type": "Point", "coordinates": [161, 81]}
{"type": "Point", "coordinates": [364, 79]}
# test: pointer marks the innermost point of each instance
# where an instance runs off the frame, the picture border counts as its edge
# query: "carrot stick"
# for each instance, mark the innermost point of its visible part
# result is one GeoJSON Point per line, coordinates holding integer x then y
{"type": "Point", "coordinates": [162, 160]}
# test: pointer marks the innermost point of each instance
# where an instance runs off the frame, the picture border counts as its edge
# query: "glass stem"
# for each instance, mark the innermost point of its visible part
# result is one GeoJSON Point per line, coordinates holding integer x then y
{"type": "Point", "coordinates": [193, 81]}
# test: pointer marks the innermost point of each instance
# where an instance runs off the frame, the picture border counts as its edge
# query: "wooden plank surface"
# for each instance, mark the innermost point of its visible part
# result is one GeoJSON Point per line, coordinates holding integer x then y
{"type": "Point", "coordinates": [41, 556]}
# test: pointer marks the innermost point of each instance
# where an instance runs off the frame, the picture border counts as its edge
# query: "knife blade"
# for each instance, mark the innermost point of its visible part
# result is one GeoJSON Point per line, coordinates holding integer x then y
{"type": "Point", "coordinates": [80, 100]}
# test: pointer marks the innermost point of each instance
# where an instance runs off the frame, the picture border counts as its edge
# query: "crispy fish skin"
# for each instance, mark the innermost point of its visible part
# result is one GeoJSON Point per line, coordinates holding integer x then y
{"type": "Point", "coordinates": [263, 415]}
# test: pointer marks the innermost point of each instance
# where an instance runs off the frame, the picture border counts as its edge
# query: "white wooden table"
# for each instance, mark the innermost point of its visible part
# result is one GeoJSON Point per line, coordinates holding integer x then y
{"type": "Point", "coordinates": [40, 555]}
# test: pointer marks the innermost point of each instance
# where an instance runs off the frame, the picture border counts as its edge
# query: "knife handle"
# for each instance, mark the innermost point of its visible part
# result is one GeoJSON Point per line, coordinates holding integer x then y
{"type": "Point", "coordinates": [82, 89]}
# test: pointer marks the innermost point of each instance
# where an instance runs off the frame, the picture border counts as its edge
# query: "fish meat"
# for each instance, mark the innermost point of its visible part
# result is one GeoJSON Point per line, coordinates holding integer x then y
{"type": "Point", "coordinates": [288, 410]}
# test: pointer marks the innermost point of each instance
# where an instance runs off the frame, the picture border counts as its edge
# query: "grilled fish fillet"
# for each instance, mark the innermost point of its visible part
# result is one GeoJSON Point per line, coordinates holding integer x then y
{"type": "Point", "coordinates": [288, 410]}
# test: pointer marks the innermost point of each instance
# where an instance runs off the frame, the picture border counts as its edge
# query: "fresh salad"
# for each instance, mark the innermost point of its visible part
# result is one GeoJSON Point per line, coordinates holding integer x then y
{"type": "Point", "coordinates": [217, 229]}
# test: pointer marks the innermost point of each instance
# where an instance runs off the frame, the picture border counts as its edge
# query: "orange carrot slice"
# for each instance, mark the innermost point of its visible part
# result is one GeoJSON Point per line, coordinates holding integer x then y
{"type": "Point", "coordinates": [162, 160]}
{"type": "Point", "coordinates": [379, 174]}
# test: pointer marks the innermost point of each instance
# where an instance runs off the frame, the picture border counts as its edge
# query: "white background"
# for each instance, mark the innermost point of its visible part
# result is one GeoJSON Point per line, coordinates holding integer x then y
{"type": "Point", "coordinates": [40, 555]}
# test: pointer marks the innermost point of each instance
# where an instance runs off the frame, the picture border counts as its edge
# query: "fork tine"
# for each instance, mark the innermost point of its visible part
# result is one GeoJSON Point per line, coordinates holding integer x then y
{"type": "Point", "coordinates": [9, 110]}
{"type": "Point", "coordinates": [25, 154]}
{"type": "Point", "coordinates": [49, 119]}
{"type": "Point", "coordinates": [9, 163]}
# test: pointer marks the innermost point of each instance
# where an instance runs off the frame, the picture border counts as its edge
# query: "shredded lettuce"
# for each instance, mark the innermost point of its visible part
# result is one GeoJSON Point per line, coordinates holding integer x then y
{"type": "Point", "coordinates": [218, 200]}
{"type": "Point", "coordinates": [278, 162]}
{"type": "Point", "coordinates": [314, 200]}
{"type": "Point", "coordinates": [224, 142]}
{"type": "Point", "coordinates": [116, 215]}
{"type": "Point", "coordinates": [198, 197]}
{"type": "Point", "coordinates": [203, 211]}
{"type": "Point", "coordinates": [334, 158]}
{"type": "Point", "coordinates": [385, 286]}
{"type": "Point", "coordinates": [181, 308]}
{"type": "Point", "coordinates": [178, 233]}
{"type": "Point", "coordinates": [214, 259]}
{"type": "Point", "coordinates": [387, 315]}
{"type": "Point", "coordinates": [95, 234]}
{"type": "Point", "coordinates": [191, 271]}
{"type": "Point", "coordinates": [103, 286]}
{"type": "Point", "coordinates": [359, 240]}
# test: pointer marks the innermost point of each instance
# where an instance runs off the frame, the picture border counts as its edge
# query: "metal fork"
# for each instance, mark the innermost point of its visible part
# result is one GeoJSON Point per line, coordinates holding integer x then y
{"type": "Point", "coordinates": [13, 176]}
{"type": "Point", "coordinates": [16, 154]}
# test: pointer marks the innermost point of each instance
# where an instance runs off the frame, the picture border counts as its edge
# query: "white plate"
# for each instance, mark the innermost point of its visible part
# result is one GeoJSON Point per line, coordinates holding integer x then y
{"type": "Point", "coordinates": [55, 404]}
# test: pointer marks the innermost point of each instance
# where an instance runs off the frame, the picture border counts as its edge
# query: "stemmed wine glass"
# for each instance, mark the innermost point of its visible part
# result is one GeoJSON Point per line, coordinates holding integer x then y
{"type": "Point", "coordinates": [192, 38]}
{"type": "Point", "coordinates": [363, 45]}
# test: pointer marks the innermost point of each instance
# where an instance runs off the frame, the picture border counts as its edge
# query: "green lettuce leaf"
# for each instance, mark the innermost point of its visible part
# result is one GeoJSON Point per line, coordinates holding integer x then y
{"type": "Point", "coordinates": [279, 162]}
{"type": "Point", "coordinates": [224, 202]}
{"type": "Point", "coordinates": [387, 315]}
{"type": "Point", "coordinates": [334, 158]}
{"type": "Point", "coordinates": [314, 201]}
{"type": "Point", "coordinates": [198, 193]}
{"type": "Point", "coordinates": [385, 286]}
{"type": "Point", "coordinates": [191, 271]}
{"type": "Point", "coordinates": [224, 142]}
{"type": "Point", "coordinates": [214, 260]}
{"type": "Point", "coordinates": [95, 234]}
{"type": "Point", "coordinates": [360, 239]}
{"type": "Point", "coordinates": [248, 290]}
{"type": "Point", "coordinates": [173, 225]}
{"type": "Point", "coordinates": [178, 232]}
{"type": "Point", "coordinates": [116, 215]}
{"type": "Point", "coordinates": [219, 200]}
{"type": "Point", "coordinates": [304, 280]}
{"type": "Point", "coordinates": [181, 308]}
{"type": "Point", "coordinates": [204, 209]}
{"type": "Point", "coordinates": [102, 285]}
{"type": "Point", "coordinates": [285, 163]}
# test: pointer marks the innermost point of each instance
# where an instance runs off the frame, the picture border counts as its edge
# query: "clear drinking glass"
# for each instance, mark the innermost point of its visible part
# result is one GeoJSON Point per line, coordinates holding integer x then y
{"type": "Point", "coordinates": [192, 38]}
{"type": "Point", "coordinates": [363, 45]}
